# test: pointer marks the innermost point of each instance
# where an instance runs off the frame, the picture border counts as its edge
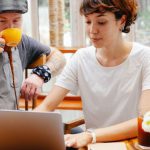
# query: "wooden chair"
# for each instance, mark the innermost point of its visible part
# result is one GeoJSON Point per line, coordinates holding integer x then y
{"type": "Point", "coordinates": [69, 103]}
{"type": "Point", "coordinates": [40, 61]}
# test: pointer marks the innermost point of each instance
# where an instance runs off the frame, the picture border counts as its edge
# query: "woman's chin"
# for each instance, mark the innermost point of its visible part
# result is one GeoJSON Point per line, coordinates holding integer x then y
{"type": "Point", "coordinates": [97, 45]}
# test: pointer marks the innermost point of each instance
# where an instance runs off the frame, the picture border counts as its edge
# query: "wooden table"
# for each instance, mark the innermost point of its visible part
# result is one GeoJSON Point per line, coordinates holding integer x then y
{"type": "Point", "coordinates": [130, 144]}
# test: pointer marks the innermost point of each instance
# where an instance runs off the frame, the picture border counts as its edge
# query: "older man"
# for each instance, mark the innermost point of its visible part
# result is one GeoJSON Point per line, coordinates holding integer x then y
{"type": "Point", "coordinates": [24, 54]}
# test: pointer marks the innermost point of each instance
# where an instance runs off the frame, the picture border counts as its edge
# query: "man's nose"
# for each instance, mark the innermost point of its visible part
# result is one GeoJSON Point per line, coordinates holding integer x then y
{"type": "Point", "coordinates": [10, 25]}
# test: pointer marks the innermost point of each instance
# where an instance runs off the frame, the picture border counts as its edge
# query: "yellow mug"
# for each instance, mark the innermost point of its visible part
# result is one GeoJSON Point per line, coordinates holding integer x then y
{"type": "Point", "coordinates": [12, 36]}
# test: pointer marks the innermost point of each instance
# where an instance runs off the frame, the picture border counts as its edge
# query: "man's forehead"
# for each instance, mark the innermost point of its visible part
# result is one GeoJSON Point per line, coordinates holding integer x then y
{"type": "Point", "coordinates": [10, 14]}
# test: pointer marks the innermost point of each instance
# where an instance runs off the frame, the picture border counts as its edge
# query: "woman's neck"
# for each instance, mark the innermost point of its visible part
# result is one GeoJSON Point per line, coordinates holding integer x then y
{"type": "Point", "coordinates": [113, 55]}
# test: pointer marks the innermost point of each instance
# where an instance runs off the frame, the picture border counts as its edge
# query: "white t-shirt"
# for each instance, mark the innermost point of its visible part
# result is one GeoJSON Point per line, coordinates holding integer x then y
{"type": "Point", "coordinates": [110, 95]}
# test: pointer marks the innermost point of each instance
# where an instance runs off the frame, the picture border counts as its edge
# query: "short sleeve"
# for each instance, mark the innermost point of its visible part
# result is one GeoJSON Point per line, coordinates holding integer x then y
{"type": "Point", "coordinates": [146, 71]}
{"type": "Point", "coordinates": [30, 50]}
{"type": "Point", "coordinates": [68, 79]}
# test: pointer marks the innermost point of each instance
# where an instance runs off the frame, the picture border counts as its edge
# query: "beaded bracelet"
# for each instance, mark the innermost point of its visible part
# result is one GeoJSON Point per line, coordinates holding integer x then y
{"type": "Point", "coordinates": [43, 72]}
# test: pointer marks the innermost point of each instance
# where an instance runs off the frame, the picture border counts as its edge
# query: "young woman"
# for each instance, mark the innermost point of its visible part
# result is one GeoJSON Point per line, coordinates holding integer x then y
{"type": "Point", "coordinates": [113, 75]}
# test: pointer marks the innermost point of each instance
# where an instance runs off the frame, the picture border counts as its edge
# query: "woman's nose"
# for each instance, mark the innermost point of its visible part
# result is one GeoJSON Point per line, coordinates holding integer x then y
{"type": "Point", "coordinates": [93, 29]}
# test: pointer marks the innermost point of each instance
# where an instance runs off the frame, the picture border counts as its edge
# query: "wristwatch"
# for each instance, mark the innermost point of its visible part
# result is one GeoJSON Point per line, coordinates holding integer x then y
{"type": "Point", "coordinates": [91, 131]}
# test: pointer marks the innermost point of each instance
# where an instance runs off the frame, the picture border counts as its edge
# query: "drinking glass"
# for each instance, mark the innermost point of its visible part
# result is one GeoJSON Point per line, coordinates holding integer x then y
{"type": "Point", "coordinates": [144, 130]}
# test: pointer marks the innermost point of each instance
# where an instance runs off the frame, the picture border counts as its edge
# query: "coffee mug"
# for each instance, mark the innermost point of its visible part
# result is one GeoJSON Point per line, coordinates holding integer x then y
{"type": "Point", "coordinates": [12, 36]}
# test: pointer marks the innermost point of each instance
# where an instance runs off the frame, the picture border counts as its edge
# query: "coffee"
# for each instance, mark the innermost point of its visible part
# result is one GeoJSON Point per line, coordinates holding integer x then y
{"type": "Point", "coordinates": [143, 136]}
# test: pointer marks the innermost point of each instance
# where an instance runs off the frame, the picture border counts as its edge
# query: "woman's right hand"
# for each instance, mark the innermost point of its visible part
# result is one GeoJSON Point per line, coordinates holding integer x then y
{"type": "Point", "coordinates": [78, 140]}
{"type": "Point", "coordinates": [2, 44]}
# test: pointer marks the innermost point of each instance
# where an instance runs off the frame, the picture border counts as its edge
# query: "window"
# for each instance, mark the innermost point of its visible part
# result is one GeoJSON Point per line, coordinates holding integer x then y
{"type": "Point", "coordinates": [142, 27]}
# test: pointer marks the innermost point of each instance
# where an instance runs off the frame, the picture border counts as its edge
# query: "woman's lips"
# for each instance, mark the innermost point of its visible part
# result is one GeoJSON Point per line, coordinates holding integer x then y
{"type": "Point", "coordinates": [96, 40]}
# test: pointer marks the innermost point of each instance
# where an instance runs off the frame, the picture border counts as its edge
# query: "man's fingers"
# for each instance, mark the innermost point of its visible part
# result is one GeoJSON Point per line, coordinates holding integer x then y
{"type": "Point", "coordinates": [37, 92]}
{"type": "Point", "coordinates": [32, 92]}
{"type": "Point", "coordinates": [2, 45]}
{"type": "Point", "coordinates": [27, 91]}
{"type": "Point", "coordinates": [1, 50]}
{"type": "Point", "coordinates": [23, 89]}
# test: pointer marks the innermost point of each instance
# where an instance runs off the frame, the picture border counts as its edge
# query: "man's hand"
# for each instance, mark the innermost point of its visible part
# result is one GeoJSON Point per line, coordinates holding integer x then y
{"type": "Point", "coordinates": [2, 44]}
{"type": "Point", "coordinates": [78, 140]}
{"type": "Point", "coordinates": [31, 87]}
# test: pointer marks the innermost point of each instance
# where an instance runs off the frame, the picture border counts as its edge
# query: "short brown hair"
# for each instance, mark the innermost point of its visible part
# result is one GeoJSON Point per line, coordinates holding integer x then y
{"type": "Point", "coordinates": [128, 8]}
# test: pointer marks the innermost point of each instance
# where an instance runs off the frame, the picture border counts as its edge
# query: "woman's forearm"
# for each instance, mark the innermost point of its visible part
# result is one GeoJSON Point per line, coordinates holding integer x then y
{"type": "Point", "coordinates": [53, 99]}
{"type": "Point", "coordinates": [117, 132]}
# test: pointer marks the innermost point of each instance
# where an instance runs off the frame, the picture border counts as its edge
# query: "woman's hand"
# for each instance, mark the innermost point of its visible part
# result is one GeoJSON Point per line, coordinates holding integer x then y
{"type": "Point", "coordinates": [31, 87]}
{"type": "Point", "coordinates": [78, 140]}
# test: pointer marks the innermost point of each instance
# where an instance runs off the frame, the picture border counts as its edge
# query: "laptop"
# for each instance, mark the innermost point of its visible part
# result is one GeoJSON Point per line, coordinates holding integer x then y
{"type": "Point", "coordinates": [22, 130]}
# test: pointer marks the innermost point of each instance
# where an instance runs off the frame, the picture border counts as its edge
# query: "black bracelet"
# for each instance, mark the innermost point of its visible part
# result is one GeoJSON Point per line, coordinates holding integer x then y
{"type": "Point", "coordinates": [43, 72]}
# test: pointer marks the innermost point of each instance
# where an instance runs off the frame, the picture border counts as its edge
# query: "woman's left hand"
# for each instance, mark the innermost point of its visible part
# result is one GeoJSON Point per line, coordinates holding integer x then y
{"type": "Point", "coordinates": [78, 140]}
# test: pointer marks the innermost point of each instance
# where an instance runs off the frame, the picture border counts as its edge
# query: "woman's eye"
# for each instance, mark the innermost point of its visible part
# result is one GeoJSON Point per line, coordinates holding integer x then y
{"type": "Point", "coordinates": [102, 23]}
{"type": "Point", "coordinates": [88, 22]}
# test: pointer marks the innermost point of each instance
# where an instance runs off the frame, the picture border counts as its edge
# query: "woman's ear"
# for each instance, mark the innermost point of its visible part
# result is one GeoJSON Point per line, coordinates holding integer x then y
{"type": "Point", "coordinates": [122, 22]}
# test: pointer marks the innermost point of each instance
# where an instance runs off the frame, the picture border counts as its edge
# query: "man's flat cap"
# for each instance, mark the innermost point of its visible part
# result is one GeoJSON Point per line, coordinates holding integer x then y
{"type": "Point", "coordinates": [19, 6]}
